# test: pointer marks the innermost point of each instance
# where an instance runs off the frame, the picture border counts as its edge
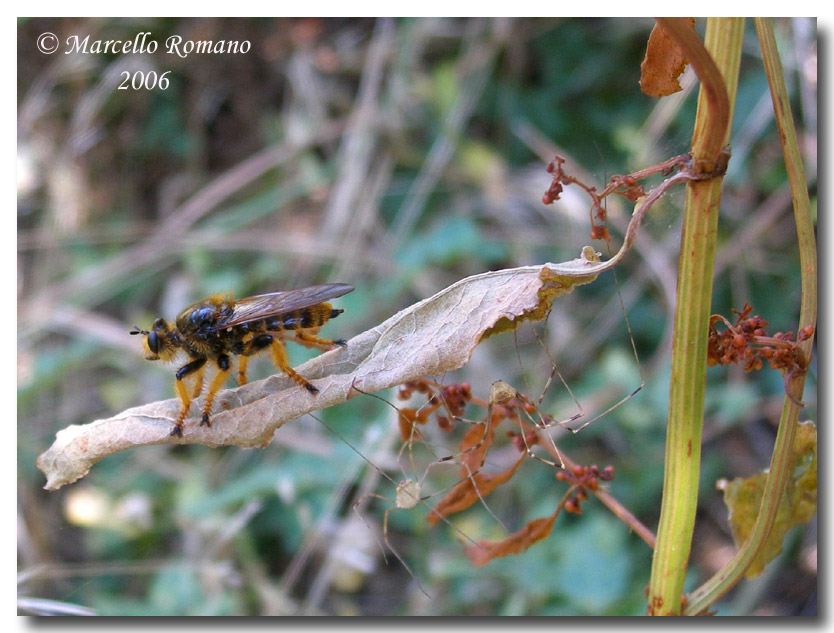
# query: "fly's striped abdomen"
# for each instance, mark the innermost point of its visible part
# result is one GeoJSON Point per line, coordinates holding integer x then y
{"type": "Point", "coordinates": [313, 317]}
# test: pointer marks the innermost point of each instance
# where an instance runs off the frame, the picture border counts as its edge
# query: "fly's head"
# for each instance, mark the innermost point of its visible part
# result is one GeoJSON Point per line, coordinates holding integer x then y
{"type": "Point", "coordinates": [161, 342]}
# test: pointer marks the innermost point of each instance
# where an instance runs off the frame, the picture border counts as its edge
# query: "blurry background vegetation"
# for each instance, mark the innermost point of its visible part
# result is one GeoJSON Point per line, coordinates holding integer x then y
{"type": "Point", "coordinates": [398, 156]}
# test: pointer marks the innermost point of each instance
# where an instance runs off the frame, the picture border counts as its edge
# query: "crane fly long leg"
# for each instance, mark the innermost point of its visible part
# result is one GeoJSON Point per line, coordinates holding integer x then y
{"type": "Point", "coordinates": [473, 446]}
{"type": "Point", "coordinates": [408, 493]}
{"type": "Point", "coordinates": [636, 358]}
{"type": "Point", "coordinates": [546, 421]}
{"type": "Point", "coordinates": [408, 496]}
{"type": "Point", "coordinates": [504, 393]}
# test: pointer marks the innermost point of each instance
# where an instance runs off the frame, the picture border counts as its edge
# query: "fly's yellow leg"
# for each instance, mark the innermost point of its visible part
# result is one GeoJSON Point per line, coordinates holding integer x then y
{"type": "Point", "coordinates": [185, 405]}
{"type": "Point", "coordinates": [279, 357]}
{"type": "Point", "coordinates": [182, 391]}
{"type": "Point", "coordinates": [198, 383]}
{"type": "Point", "coordinates": [308, 338]}
{"type": "Point", "coordinates": [214, 386]}
{"type": "Point", "coordinates": [241, 370]}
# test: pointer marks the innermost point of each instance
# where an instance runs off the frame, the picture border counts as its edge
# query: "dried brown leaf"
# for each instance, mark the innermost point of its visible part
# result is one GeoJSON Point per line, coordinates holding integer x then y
{"type": "Point", "coordinates": [474, 446]}
{"type": "Point", "coordinates": [663, 64]}
{"type": "Point", "coordinates": [408, 419]}
{"type": "Point", "coordinates": [536, 530]}
{"type": "Point", "coordinates": [470, 491]}
{"type": "Point", "coordinates": [428, 338]}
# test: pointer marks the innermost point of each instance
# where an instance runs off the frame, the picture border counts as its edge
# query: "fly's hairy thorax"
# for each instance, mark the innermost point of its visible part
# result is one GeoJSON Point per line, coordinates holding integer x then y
{"type": "Point", "coordinates": [195, 325]}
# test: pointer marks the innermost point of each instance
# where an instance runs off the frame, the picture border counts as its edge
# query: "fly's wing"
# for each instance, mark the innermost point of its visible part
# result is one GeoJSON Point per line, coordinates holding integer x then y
{"type": "Point", "coordinates": [269, 305]}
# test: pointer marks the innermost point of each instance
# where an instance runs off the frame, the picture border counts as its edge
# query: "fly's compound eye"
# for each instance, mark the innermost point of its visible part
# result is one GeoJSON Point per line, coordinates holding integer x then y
{"type": "Point", "coordinates": [153, 342]}
{"type": "Point", "coordinates": [159, 324]}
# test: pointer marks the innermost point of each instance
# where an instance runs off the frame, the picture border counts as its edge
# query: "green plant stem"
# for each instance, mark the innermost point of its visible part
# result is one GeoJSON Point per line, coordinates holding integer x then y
{"type": "Point", "coordinates": [689, 351]}
{"type": "Point", "coordinates": [700, 599]}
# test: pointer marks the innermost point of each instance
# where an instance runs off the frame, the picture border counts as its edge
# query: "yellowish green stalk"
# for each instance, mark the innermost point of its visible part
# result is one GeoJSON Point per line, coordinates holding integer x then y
{"type": "Point", "coordinates": [694, 293]}
{"type": "Point", "coordinates": [700, 599]}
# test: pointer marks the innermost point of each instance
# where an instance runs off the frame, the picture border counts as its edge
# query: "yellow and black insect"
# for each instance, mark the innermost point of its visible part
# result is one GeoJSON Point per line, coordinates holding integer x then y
{"type": "Point", "coordinates": [218, 327]}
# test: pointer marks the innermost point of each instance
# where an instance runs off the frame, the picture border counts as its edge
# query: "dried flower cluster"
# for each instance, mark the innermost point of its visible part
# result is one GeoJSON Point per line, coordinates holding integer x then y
{"type": "Point", "coordinates": [451, 398]}
{"type": "Point", "coordinates": [446, 404]}
{"type": "Point", "coordinates": [626, 186]}
{"type": "Point", "coordinates": [582, 479]}
{"type": "Point", "coordinates": [749, 343]}
{"type": "Point", "coordinates": [560, 178]}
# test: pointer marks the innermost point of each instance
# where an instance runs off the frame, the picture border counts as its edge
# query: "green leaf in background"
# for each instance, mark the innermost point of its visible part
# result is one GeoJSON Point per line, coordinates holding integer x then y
{"type": "Point", "coordinates": [449, 240]}
{"type": "Point", "coordinates": [799, 505]}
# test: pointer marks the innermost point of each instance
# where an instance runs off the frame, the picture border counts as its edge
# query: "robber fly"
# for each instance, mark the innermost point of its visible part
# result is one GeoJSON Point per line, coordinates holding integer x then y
{"type": "Point", "coordinates": [218, 327]}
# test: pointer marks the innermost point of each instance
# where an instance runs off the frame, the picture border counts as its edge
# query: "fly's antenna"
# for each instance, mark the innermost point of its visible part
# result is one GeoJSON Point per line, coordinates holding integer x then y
{"type": "Point", "coordinates": [137, 330]}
